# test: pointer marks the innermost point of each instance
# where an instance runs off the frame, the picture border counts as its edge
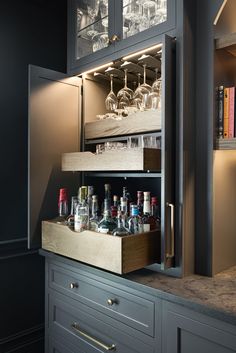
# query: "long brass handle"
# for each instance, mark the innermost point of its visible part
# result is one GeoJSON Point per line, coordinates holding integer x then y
{"type": "Point", "coordinates": [171, 253]}
{"type": "Point", "coordinates": [76, 327]}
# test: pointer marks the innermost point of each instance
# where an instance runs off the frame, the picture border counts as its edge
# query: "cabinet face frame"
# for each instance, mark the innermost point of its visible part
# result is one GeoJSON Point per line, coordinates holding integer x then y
{"type": "Point", "coordinates": [116, 25]}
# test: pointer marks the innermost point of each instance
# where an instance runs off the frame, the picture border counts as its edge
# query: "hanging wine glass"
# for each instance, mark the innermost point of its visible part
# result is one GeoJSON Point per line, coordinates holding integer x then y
{"type": "Point", "coordinates": [138, 97]}
{"type": "Point", "coordinates": [145, 90]}
{"type": "Point", "coordinates": [155, 95]}
{"type": "Point", "coordinates": [125, 93]}
{"type": "Point", "coordinates": [111, 100]}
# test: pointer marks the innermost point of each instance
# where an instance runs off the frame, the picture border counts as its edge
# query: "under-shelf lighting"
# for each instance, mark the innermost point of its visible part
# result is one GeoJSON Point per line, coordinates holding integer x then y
{"type": "Point", "coordinates": [137, 53]}
{"type": "Point", "coordinates": [220, 12]}
{"type": "Point", "coordinates": [98, 68]}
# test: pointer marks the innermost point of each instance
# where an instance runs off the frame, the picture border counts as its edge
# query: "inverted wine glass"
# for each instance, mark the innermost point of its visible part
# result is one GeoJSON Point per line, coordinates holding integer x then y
{"type": "Point", "coordinates": [125, 91]}
{"type": "Point", "coordinates": [111, 100]}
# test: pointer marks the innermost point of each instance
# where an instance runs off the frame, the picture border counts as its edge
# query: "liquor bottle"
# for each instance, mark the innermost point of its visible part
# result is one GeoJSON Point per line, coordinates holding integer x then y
{"type": "Point", "coordinates": [121, 229]}
{"type": "Point", "coordinates": [107, 224]}
{"type": "Point", "coordinates": [123, 205]}
{"type": "Point", "coordinates": [62, 206]}
{"type": "Point", "coordinates": [114, 212]}
{"type": "Point", "coordinates": [127, 197]}
{"type": "Point", "coordinates": [108, 193]}
{"type": "Point", "coordinates": [135, 221]}
{"type": "Point", "coordinates": [82, 211]}
{"type": "Point", "coordinates": [89, 198]}
{"type": "Point", "coordinates": [115, 201]}
{"type": "Point", "coordinates": [94, 220]}
{"type": "Point", "coordinates": [155, 211]}
{"type": "Point", "coordinates": [140, 202]}
{"type": "Point", "coordinates": [149, 223]}
{"type": "Point", "coordinates": [71, 218]}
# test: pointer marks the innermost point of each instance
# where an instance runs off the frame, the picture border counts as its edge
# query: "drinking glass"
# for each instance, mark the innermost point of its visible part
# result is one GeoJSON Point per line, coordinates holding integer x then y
{"type": "Point", "coordinates": [125, 92]}
{"type": "Point", "coordinates": [111, 100]}
{"type": "Point", "coordinates": [144, 90]}
{"type": "Point", "coordinates": [155, 95]}
{"type": "Point", "coordinates": [138, 97]}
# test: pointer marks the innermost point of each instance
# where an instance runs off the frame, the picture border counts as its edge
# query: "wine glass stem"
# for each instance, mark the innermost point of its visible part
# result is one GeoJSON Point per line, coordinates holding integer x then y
{"type": "Point", "coordinates": [125, 77]}
{"type": "Point", "coordinates": [111, 77]}
{"type": "Point", "coordinates": [144, 73]}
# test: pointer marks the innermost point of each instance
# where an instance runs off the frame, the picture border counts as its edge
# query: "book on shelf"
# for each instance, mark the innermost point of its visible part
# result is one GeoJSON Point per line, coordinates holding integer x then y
{"type": "Point", "coordinates": [226, 112]}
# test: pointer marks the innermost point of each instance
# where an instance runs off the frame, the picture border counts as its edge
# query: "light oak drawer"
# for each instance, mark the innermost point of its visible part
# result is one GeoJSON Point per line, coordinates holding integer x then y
{"type": "Point", "coordinates": [90, 331]}
{"type": "Point", "coordinates": [121, 305]}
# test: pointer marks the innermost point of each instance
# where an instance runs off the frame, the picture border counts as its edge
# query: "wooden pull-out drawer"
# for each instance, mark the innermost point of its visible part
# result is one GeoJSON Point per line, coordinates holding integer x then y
{"type": "Point", "coordinates": [129, 309]}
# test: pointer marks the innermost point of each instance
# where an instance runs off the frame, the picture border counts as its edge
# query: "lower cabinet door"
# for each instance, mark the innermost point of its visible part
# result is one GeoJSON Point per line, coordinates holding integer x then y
{"type": "Point", "coordinates": [57, 347]}
{"type": "Point", "coordinates": [89, 330]}
{"type": "Point", "coordinates": [186, 331]}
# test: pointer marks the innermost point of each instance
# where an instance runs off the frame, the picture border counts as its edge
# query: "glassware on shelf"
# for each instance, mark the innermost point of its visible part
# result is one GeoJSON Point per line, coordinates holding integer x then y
{"type": "Point", "coordinates": [100, 148]}
{"type": "Point", "coordinates": [100, 41]}
{"type": "Point", "coordinates": [111, 101]}
{"type": "Point", "coordinates": [119, 114]}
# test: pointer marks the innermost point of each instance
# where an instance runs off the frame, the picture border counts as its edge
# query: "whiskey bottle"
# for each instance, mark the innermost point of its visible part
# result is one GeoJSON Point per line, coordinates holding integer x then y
{"type": "Point", "coordinates": [107, 224]}
{"type": "Point", "coordinates": [149, 222]}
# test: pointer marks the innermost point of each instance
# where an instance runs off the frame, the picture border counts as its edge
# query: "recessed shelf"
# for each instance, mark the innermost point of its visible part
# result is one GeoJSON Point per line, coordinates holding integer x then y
{"type": "Point", "coordinates": [226, 144]}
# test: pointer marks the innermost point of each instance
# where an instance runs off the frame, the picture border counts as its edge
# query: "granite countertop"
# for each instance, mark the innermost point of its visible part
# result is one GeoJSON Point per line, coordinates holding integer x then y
{"type": "Point", "coordinates": [215, 296]}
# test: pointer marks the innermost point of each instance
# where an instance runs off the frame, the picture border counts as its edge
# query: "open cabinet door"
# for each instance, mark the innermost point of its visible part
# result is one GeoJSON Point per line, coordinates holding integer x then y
{"type": "Point", "coordinates": [54, 128]}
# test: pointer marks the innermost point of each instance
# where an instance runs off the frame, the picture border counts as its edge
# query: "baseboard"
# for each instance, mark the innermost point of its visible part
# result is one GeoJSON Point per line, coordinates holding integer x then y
{"type": "Point", "coordinates": [25, 341]}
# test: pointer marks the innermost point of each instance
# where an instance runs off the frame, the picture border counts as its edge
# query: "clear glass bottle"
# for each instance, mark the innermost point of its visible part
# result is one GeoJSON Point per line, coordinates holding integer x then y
{"type": "Point", "coordinates": [127, 197]}
{"type": "Point", "coordinates": [71, 218]}
{"type": "Point", "coordinates": [82, 212]}
{"type": "Point", "coordinates": [135, 221]}
{"type": "Point", "coordinates": [114, 212]}
{"type": "Point", "coordinates": [121, 229]}
{"type": "Point", "coordinates": [116, 201]}
{"type": "Point", "coordinates": [149, 223]}
{"type": "Point", "coordinates": [107, 224]}
{"type": "Point", "coordinates": [94, 219]}
{"type": "Point", "coordinates": [89, 198]}
{"type": "Point", "coordinates": [62, 206]}
{"type": "Point", "coordinates": [123, 205]}
{"type": "Point", "coordinates": [108, 194]}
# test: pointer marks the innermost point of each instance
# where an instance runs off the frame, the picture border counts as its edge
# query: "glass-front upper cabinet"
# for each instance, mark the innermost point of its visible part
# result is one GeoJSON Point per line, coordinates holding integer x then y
{"type": "Point", "coordinates": [91, 26]}
{"type": "Point", "coordinates": [140, 15]}
{"type": "Point", "coordinates": [99, 29]}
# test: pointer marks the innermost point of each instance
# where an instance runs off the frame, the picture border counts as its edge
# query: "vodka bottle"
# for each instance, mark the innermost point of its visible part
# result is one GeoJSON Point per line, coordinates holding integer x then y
{"type": "Point", "coordinates": [94, 219]}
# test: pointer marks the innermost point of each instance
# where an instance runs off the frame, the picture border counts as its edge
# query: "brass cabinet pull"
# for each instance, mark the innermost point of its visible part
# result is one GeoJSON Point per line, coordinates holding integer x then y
{"type": "Point", "coordinates": [111, 301]}
{"type": "Point", "coordinates": [74, 285]}
{"type": "Point", "coordinates": [171, 253]}
{"type": "Point", "coordinates": [76, 327]}
{"type": "Point", "coordinates": [114, 39]}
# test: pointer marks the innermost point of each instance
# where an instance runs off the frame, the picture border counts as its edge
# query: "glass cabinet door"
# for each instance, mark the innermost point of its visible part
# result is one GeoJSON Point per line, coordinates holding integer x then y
{"type": "Point", "coordinates": [139, 15]}
{"type": "Point", "coordinates": [92, 21]}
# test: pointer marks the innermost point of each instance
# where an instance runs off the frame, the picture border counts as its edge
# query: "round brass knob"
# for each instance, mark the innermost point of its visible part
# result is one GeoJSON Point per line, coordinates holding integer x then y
{"type": "Point", "coordinates": [74, 285]}
{"type": "Point", "coordinates": [111, 301]}
{"type": "Point", "coordinates": [114, 38]}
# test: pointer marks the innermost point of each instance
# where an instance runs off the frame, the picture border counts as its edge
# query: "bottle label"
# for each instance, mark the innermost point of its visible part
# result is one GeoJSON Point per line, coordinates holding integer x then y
{"type": "Point", "coordinates": [146, 227]}
{"type": "Point", "coordinates": [103, 230]}
{"type": "Point", "coordinates": [81, 223]}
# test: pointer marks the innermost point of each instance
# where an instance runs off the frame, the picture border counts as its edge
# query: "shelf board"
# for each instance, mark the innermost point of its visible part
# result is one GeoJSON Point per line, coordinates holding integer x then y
{"type": "Point", "coordinates": [123, 175]}
{"type": "Point", "coordinates": [140, 122]}
{"type": "Point", "coordinates": [130, 159]}
{"type": "Point", "coordinates": [226, 144]}
{"type": "Point", "coordinates": [227, 42]}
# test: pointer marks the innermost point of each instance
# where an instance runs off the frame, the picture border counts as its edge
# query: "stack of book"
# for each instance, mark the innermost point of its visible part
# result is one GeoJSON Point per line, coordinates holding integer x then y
{"type": "Point", "coordinates": [226, 112]}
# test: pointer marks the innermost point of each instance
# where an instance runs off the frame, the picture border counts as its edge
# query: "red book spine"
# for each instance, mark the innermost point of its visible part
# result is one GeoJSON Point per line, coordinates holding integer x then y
{"type": "Point", "coordinates": [231, 111]}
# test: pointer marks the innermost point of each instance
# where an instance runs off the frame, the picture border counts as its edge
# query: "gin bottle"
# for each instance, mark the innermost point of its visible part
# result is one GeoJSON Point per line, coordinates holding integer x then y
{"type": "Point", "coordinates": [107, 224]}
{"type": "Point", "coordinates": [120, 230]}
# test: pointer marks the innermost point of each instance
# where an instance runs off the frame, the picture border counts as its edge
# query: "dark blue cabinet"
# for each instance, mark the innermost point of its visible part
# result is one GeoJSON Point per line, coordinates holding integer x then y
{"type": "Point", "coordinates": [99, 30]}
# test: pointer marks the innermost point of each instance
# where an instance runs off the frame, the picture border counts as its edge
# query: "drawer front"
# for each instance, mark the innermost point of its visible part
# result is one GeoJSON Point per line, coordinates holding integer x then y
{"type": "Point", "coordinates": [130, 309]}
{"type": "Point", "coordinates": [88, 330]}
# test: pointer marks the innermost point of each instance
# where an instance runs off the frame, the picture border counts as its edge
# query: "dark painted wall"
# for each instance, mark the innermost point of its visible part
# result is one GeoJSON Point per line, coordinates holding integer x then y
{"type": "Point", "coordinates": [31, 32]}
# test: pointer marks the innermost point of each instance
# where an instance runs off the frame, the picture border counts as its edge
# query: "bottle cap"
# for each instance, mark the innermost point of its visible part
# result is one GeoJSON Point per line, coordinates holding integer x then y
{"type": "Point", "coordinates": [90, 190]}
{"type": "Point", "coordinates": [63, 195]}
{"type": "Point", "coordinates": [82, 193]}
{"type": "Point", "coordinates": [146, 195]}
{"type": "Point", "coordinates": [154, 200]}
{"type": "Point", "coordinates": [94, 197]}
{"type": "Point", "coordinates": [115, 198]}
{"type": "Point", "coordinates": [107, 186]}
